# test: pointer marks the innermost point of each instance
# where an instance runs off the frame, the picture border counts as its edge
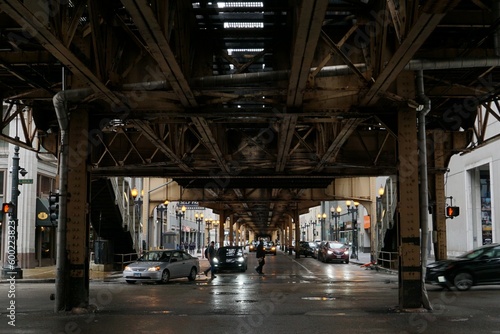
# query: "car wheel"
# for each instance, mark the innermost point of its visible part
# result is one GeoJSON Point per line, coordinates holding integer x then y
{"type": "Point", "coordinates": [165, 276]}
{"type": "Point", "coordinates": [463, 281]}
{"type": "Point", "coordinates": [192, 274]}
{"type": "Point", "coordinates": [347, 261]}
{"type": "Point", "coordinates": [130, 282]}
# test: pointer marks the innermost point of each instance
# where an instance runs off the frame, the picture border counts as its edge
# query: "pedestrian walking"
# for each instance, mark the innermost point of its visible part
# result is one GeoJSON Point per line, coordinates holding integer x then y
{"type": "Point", "coordinates": [260, 255]}
{"type": "Point", "coordinates": [210, 254]}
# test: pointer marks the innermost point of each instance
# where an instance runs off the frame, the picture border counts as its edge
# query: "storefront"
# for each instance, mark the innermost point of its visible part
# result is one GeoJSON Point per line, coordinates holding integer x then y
{"type": "Point", "coordinates": [45, 238]}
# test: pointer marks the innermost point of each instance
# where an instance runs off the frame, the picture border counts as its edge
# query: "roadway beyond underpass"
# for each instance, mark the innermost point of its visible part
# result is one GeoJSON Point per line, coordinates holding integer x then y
{"type": "Point", "coordinates": [294, 296]}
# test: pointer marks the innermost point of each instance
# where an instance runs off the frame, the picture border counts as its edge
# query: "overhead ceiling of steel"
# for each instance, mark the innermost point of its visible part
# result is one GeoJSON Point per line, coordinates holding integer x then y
{"type": "Point", "coordinates": [242, 95]}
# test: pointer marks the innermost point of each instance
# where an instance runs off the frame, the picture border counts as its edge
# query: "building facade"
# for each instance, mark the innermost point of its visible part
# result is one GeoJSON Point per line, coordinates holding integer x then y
{"type": "Point", "coordinates": [36, 244]}
{"type": "Point", "coordinates": [471, 184]}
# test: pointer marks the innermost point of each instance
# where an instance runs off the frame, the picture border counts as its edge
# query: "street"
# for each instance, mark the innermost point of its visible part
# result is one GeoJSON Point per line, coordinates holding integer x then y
{"type": "Point", "coordinates": [294, 295]}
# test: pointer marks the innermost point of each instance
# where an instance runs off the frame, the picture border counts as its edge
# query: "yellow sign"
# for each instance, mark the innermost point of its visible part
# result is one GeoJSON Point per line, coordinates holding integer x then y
{"type": "Point", "coordinates": [43, 215]}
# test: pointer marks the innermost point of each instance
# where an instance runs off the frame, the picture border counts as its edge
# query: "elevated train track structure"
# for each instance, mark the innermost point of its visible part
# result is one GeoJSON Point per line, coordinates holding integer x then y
{"type": "Point", "coordinates": [257, 109]}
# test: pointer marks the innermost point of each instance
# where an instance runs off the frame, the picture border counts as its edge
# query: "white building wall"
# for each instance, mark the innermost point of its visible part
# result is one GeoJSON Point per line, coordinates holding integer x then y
{"type": "Point", "coordinates": [462, 183]}
{"type": "Point", "coordinates": [34, 164]}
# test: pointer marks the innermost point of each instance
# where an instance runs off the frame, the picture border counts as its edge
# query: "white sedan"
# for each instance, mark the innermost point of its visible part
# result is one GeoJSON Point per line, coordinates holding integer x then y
{"type": "Point", "coordinates": [162, 265]}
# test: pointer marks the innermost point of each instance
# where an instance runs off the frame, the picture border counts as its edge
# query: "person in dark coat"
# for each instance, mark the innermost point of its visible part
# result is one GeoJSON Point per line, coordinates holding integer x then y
{"type": "Point", "coordinates": [260, 255]}
{"type": "Point", "coordinates": [210, 254]}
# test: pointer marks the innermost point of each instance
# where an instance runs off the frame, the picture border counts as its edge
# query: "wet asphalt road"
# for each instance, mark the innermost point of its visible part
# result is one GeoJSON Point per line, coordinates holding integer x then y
{"type": "Point", "coordinates": [294, 296]}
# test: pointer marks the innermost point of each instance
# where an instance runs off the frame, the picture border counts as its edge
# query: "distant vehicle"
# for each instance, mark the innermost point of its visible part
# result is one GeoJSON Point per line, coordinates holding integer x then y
{"type": "Point", "coordinates": [230, 258]}
{"type": "Point", "coordinates": [307, 248]}
{"type": "Point", "coordinates": [480, 266]}
{"type": "Point", "coordinates": [269, 247]}
{"type": "Point", "coordinates": [333, 251]}
{"type": "Point", "coordinates": [161, 266]}
{"type": "Point", "coordinates": [253, 246]}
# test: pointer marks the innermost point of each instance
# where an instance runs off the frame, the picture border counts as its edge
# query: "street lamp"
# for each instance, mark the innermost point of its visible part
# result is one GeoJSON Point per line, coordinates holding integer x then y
{"type": "Point", "coordinates": [305, 226]}
{"type": "Point", "coordinates": [335, 213]}
{"type": "Point", "coordinates": [380, 208]}
{"type": "Point", "coordinates": [137, 208]}
{"type": "Point", "coordinates": [161, 208]}
{"type": "Point", "coordinates": [216, 224]}
{"type": "Point", "coordinates": [353, 211]}
{"type": "Point", "coordinates": [12, 268]}
{"type": "Point", "coordinates": [208, 224]}
{"type": "Point", "coordinates": [321, 220]}
{"type": "Point", "coordinates": [180, 214]}
{"type": "Point", "coordinates": [199, 219]}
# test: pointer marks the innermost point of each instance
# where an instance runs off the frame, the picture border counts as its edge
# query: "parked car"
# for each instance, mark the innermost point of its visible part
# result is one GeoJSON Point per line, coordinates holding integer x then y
{"type": "Point", "coordinates": [333, 251]}
{"type": "Point", "coordinates": [161, 266]}
{"type": "Point", "coordinates": [269, 247]}
{"type": "Point", "coordinates": [307, 248]}
{"type": "Point", "coordinates": [230, 258]}
{"type": "Point", "coordinates": [480, 266]}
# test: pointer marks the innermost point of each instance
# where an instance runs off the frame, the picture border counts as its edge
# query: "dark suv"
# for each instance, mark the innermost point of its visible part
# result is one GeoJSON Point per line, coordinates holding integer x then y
{"type": "Point", "coordinates": [306, 248]}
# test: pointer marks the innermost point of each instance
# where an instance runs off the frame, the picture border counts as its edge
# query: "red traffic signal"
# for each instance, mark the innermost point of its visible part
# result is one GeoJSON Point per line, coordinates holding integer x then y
{"type": "Point", "coordinates": [452, 211]}
{"type": "Point", "coordinates": [7, 208]}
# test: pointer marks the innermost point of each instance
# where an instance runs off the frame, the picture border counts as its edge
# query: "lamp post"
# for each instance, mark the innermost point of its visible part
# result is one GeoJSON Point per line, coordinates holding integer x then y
{"type": "Point", "coordinates": [379, 223]}
{"type": "Point", "coordinates": [137, 207]}
{"type": "Point", "coordinates": [335, 213]}
{"type": "Point", "coordinates": [161, 208]}
{"type": "Point", "coordinates": [321, 218]}
{"type": "Point", "coordinates": [12, 268]}
{"type": "Point", "coordinates": [180, 214]}
{"type": "Point", "coordinates": [216, 224]}
{"type": "Point", "coordinates": [208, 224]}
{"type": "Point", "coordinates": [353, 211]}
{"type": "Point", "coordinates": [305, 227]}
{"type": "Point", "coordinates": [199, 219]}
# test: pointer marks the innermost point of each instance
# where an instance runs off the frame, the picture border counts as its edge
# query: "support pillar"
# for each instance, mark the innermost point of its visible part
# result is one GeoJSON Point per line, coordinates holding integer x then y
{"type": "Point", "coordinates": [76, 278]}
{"type": "Point", "coordinates": [222, 224]}
{"type": "Point", "coordinates": [410, 271]}
{"type": "Point", "coordinates": [439, 217]}
{"type": "Point", "coordinates": [297, 231]}
{"type": "Point", "coordinates": [231, 230]}
{"type": "Point", "coordinates": [290, 235]}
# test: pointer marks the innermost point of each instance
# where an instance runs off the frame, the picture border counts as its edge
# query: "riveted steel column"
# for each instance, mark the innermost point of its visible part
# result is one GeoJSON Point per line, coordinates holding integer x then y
{"type": "Point", "coordinates": [77, 222]}
{"type": "Point", "coordinates": [439, 221]}
{"type": "Point", "coordinates": [297, 231]}
{"type": "Point", "coordinates": [410, 270]}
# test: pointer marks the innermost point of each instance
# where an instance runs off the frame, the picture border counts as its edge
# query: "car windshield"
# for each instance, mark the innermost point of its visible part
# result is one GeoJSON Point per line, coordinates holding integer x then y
{"type": "Point", "coordinates": [156, 256]}
{"type": "Point", "coordinates": [475, 253]}
{"type": "Point", "coordinates": [336, 245]}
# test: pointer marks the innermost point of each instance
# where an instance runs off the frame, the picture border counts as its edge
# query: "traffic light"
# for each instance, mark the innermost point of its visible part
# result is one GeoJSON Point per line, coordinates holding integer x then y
{"type": "Point", "coordinates": [452, 211]}
{"type": "Point", "coordinates": [54, 208]}
{"type": "Point", "coordinates": [7, 208]}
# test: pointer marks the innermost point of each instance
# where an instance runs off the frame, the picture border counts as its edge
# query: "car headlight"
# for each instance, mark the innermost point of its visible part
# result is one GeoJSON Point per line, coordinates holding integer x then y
{"type": "Point", "coordinates": [346, 252]}
{"type": "Point", "coordinates": [216, 260]}
{"type": "Point", "coordinates": [329, 252]}
{"type": "Point", "coordinates": [127, 268]}
{"type": "Point", "coordinates": [241, 259]}
{"type": "Point", "coordinates": [155, 268]}
{"type": "Point", "coordinates": [273, 248]}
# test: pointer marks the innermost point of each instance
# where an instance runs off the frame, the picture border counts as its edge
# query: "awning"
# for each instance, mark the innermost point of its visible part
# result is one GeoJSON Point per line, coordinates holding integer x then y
{"type": "Point", "coordinates": [42, 212]}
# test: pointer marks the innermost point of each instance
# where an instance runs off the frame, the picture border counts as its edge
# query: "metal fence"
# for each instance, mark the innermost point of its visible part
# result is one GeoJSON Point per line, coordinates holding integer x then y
{"type": "Point", "coordinates": [388, 260]}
